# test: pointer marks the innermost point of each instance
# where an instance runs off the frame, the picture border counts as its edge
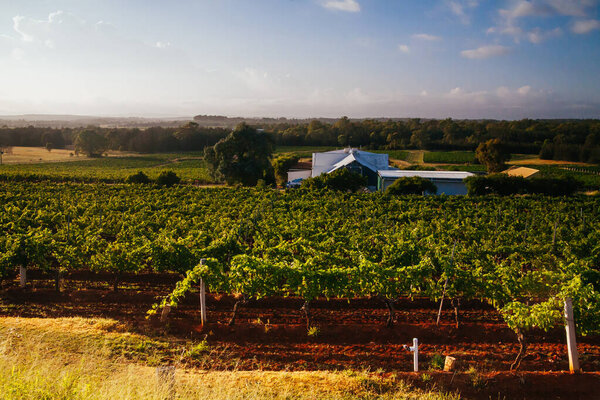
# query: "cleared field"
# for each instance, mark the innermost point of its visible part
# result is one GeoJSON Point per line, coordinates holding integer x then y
{"type": "Point", "coordinates": [188, 166]}
{"type": "Point", "coordinates": [31, 155]}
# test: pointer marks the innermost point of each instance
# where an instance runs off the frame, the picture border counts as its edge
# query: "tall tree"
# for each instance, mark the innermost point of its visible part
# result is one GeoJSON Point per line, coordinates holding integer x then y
{"type": "Point", "coordinates": [492, 155]}
{"type": "Point", "coordinates": [91, 143]}
{"type": "Point", "coordinates": [244, 156]}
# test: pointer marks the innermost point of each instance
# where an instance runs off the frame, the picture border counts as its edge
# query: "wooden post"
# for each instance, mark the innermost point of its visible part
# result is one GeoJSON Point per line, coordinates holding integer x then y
{"type": "Point", "coordinates": [202, 301]}
{"type": "Point", "coordinates": [165, 313]}
{"type": "Point", "coordinates": [437, 322]}
{"type": "Point", "coordinates": [202, 297]}
{"type": "Point", "coordinates": [22, 276]}
{"type": "Point", "coordinates": [571, 339]}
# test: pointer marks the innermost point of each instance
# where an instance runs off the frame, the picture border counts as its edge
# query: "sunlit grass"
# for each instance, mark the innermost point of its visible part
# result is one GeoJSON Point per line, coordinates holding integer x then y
{"type": "Point", "coordinates": [74, 358]}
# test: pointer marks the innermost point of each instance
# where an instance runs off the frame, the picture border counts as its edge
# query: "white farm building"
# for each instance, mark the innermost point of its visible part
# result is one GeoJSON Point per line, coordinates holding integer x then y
{"type": "Point", "coordinates": [376, 168]}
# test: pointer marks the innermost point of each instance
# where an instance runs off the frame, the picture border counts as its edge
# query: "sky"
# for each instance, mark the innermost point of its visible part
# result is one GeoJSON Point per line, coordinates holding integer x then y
{"type": "Point", "coordinates": [503, 59]}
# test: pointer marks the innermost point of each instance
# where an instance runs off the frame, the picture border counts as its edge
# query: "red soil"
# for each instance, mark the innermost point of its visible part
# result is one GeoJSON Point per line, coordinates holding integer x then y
{"type": "Point", "coordinates": [271, 334]}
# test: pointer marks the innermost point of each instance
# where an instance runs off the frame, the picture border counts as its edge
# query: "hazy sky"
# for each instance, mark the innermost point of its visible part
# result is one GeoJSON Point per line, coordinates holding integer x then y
{"type": "Point", "coordinates": [302, 58]}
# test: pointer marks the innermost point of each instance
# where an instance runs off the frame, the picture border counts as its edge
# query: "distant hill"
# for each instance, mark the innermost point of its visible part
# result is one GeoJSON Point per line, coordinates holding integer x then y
{"type": "Point", "coordinates": [77, 121]}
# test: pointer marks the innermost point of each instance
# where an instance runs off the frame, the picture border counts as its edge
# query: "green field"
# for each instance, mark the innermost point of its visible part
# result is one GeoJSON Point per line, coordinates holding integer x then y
{"type": "Point", "coordinates": [188, 166]}
{"type": "Point", "coordinates": [449, 157]}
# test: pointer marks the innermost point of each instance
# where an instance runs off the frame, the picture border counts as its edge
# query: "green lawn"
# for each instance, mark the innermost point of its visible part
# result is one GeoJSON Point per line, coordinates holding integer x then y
{"type": "Point", "coordinates": [449, 157]}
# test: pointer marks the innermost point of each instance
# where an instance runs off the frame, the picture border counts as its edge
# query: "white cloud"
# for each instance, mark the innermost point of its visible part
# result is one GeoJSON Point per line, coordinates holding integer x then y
{"type": "Point", "coordinates": [404, 48]}
{"type": "Point", "coordinates": [524, 90]}
{"type": "Point", "coordinates": [585, 26]}
{"type": "Point", "coordinates": [543, 8]}
{"type": "Point", "coordinates": [342, 5]}
{"type": "Point", "coordinates": [538, 35]}
{"type": "Point", "coordinates": [485, 52]}
{"type": "Point", "coordinates": [509, 21]}
{"type": "Point", "coordinates": [162, 45]}
{"type": "Point", "coordinates": [426, 36]}
{"type": "Point", "coordinates": [460, 9]}
{"type": "Point", "coordinates": [18, 27]}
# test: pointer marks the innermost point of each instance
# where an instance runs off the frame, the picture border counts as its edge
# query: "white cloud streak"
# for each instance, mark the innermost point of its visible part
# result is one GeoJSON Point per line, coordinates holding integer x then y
{"type": "Point", "coordinates": [427, 37]}
{"type": "Point", "coordinates": [586, 26]}
{"type": "Point", "coordinates": [342, 5]}
{"type": "Point", "coordinates": [484, 52]}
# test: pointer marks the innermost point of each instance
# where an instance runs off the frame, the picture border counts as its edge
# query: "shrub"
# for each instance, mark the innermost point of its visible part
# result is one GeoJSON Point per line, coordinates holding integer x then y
{"type": "Point", "coordinates": [411, 185]}
{"type": "Point", "coordinates": [503, 185]}
{"type": "Point", "coordinates": [341, 179]}
{"type": "Point", "coordinates": [436, 362]}
{"type": "Point", "coordinates": [418, 167]}
{"type": "Point", "coordinates": [168, 179]}
{"type": "Point", "coordinates": [140, 177]}
{"type": "Point", "coordinates": [281, 166]}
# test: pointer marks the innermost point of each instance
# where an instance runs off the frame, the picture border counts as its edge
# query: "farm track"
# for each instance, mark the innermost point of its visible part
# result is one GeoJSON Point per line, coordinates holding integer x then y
{"type": "Point", "coordinates": [270, 333]}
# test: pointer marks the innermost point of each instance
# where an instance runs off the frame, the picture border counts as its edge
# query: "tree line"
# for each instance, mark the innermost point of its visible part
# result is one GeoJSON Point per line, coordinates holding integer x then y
{"type": "Point", "coordinates": [573, 140]}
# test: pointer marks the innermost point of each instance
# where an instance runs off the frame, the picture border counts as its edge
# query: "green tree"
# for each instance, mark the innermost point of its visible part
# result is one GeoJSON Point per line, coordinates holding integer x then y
{"type": "Point", "coordinates": [281, 166]}
{"type": "Point", "coordinates": [244, 156]}
{"type": "Point", "coordinates": [341, 179]}
{"type": "Point", "coordinates": [492, 154]}
{"type": "Point", "coordinates": [91, 143]}
{"type": "Point", "coordinates": [411, 185]}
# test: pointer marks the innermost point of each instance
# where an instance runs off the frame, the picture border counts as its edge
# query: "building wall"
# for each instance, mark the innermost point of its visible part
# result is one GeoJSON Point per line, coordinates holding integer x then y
{"type": "Point", "coordinates": [298, 174]}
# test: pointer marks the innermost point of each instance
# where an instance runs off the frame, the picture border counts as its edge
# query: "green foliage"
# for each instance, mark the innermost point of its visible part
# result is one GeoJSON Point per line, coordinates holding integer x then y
{"type": "Point", "coordinates": [522, 255]}
{"type": "Point", "coordinates": [411, 185]}
{"type": "Point", "coordinates": [244, 156]}
{"type": "Point", "coordinates": [449, 157]}
{"type": "Point", "coordinates": [492, 154]}
{"type": "Point", "coordinates": [313, 331]}
{"type": "Point", "coordinates": [281, 166]}
{"type": "Point", "coordinates": [168, 179]}
{"type": "Point", "coordinates": [437, 362]}
{"type": "Point", "coordinates": [91, 143]}
{"type": "Point", "coordinates": [341, 179]}
{"type": "Point", "coordinates": [139, 177]}
{"type": "Point", "coordinates": [504, 185]}
{"type": "Point", "coordinates": [418, 167]}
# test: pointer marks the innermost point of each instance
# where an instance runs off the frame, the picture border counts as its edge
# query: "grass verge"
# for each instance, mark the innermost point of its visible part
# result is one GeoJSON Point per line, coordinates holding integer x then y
{"type": "Point", "coordinates": [77, 358]}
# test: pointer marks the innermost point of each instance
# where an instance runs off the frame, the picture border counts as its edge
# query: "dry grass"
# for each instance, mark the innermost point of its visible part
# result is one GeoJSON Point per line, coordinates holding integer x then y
{"type": "Point", "coordinates": [73, 358]}
{"type": "Point", "coordinates": [34, 155]}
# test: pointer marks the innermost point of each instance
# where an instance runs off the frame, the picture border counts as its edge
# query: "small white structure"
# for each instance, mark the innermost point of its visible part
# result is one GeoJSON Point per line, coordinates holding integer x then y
{"type": "Point", "coordinates": [447, 182]}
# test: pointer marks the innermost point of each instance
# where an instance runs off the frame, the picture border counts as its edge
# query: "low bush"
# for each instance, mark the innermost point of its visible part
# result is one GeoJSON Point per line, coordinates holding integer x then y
{"type": "Point", "coordinates": [341, 179]}
{"type": "Point", "coordinates": [168, 179]}
{"type": "Point", "coordinates": [503, 185]}
{"type": "Point", "coordinates": [411, 185]}
{"type": "Point", "coordinates": [140, 177]}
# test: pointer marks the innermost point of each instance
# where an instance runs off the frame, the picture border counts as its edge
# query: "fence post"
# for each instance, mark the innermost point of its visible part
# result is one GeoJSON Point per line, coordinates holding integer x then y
{"type": "Point", "coordinates": [571, 339]}
{"type": "Point", "coordinates": [202, 297]}
{"type": "Point", "coordinates": [22, 276]}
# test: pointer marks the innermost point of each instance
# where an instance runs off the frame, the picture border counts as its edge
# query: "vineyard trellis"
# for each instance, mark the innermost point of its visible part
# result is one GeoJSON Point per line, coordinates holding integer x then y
{"type": "Point", "coordinates": [522, 255]}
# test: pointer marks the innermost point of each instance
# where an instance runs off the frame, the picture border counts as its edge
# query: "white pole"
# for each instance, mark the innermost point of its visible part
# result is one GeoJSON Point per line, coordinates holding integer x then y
{"type": "Point", "coordinates": [415, 350]}
{"type": "Point", "coordinates": [571, 339]}
{"type": "Point", "coordinates": [22, 276]}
